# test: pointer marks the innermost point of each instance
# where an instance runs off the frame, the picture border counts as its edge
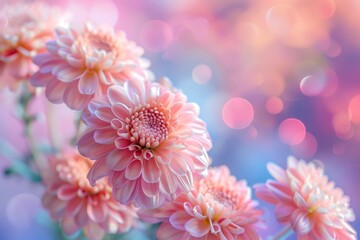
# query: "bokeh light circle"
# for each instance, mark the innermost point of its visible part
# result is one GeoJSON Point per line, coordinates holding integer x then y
{"type": "Point", "coordinates": [104, 13]}
{"type": "Point", "coordinates": [157, 35]}
{"type": "Point", "coordinates": [274, 105]}
{"type": "Point", "coordinates": [201, 74]}
{"type": "Point", "coordinates": [312, 85]}
{"type": "Point", "coordinates": [307, 148]}
{"type": "Point", "coordinates": [238, 113]}
{"type": "Point", "coordinates": [354, 109]}
{"type": "Point", "coordinates": [292, 131]}
{"type": "Point", "coordinates": [281, 19]}
{"type": "Point", "coordinates": [21, 210]}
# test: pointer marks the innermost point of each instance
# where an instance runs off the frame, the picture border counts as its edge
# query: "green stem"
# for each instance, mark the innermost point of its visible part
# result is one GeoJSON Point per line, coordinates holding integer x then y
{"type": "Point", "coordinates": [283, 234]}
{"type": "Point", "coordinates": [28, 119]}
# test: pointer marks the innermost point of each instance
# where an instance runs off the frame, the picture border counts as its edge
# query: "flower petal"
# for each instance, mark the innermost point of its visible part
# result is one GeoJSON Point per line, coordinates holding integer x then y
{"type": "Point", "coordinates": [197, 227]}
{"type": "Point", "coordinates": [300, 222]}
{"type": "Point", "coordinates": [151, 171]}
{"type": "Point", "coordinates": [133, 170]}
{"type": "Point", "coordinates": [97, 212]}
{"type": "Point", "coordinates": [97, 171]}
{"type": "Point", "coordinates": [118, 160]}
{"type": "Point", "coordinates": [88, 83]}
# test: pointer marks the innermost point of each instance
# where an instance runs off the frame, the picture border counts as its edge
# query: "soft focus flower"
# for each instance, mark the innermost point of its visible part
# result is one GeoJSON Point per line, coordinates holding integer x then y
{"type": "Point", "coordinates": [28, 28]}
{"type": "Point", "coordinates": [77, 205]}
{"type": "Point", "coordinates": [83, 63]}
{"type": "Point", "coordinates": [219, 207]}
{"type": "Point", "coordinates": [148, 139]}
{"type": "Point", "coordinates": [306, 200]}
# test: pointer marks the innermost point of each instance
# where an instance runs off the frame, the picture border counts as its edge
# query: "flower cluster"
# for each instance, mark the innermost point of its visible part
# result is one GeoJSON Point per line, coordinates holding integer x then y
{"type": "Point", "coordinates": [148, 139]}
{"type": "Point", "coordinates": [29, 27]}
{"type": "Point", "coordinates": [142, 147]}
{"type": "Point", "coordinates": [71, 200]}
{"type": "Point", "coordinates": [305, 199]}
{"type": "Point", "coordinates": [218, 207]}
{"type": "Point", "coordinates": [82, 63]}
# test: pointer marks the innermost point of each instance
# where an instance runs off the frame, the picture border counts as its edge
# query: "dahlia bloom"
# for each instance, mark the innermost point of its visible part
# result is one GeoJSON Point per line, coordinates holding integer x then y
{"type": "Point", "coordinates": [219, 207]}
{"type": "Point", "coordinates": [29, 27]}
{"type": "Point", "coordinates": [83, 63]}
{"type": "Point", "coordinates": [71, 200]}
{"type": "Point", "coordinates": [308, 202]}
{"type": "Point", "coordinates": [147, 139]}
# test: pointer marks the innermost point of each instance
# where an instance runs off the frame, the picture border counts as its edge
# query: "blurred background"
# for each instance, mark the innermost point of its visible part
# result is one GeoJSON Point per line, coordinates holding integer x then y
{"type": "Point", "coordinates": [272, 78]}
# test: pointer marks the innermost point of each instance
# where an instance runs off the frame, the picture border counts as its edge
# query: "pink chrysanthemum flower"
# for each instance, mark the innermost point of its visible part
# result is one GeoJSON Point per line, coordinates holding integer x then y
{"type": "Point", "coordinates": [148, 139]}
{"type": "Point", "coordinates": [77, 205]}
{"type": "Point", "coordinates": [28, 27]}
{"type": "Point", "coordinates": [308, 202]}
{"type": "Point", "coordinates": [219, 207]}
{"type": "Point", "coordinates": [81, 64]}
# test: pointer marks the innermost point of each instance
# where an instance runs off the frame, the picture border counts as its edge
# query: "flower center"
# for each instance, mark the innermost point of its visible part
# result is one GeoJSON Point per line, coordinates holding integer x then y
{"type": "Point", "coordinates": [148, 126]}
{"type": "Point", "coordinates": [74, 173]}
{"type": "Point", "coordinates": [98, 43]}
{"type": "Point", "coordinates": [95, 42]}
{"type": "Point", "coordinates": [226, 198]}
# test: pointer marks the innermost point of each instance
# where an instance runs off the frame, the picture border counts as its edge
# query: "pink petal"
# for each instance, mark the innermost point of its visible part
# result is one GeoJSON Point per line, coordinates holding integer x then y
{"type": "Point", "coordinates": [122, 143]}
{"type": "Point", "coordinates": [178, 165]}
{"type": "Point", "coordinates": [118, 94]}
{"type": "Point", "coordinates": [121, 111]}
{"type": "Point", "coordinates": [300, 201]}
{"type": "Point", "coordinates": [280, 191]}
{"type": "Point", "coordinates": [91, 149]}
{"type": "Point", "coordinates": [55, 91]}
{"type": "Point", "coordinates": [74, 99]}
{"type": "Point", "coordinates": [151, 172]}
{"type": "Point", "coordinates": [127, 193]}
{"type": "Point", "coordinates": [168, 181]}
{"type": "Point", "coordinates": [150, 189]}
{"type": "Point", "coordinates": [118, 160]}
{"type": "Point", "coordinates": [277, 172]}
{"type": "Point", "coordinates": [57, 208]}
{"type": "Point", "coordinates": [186, 182]}
{"type": "Point", "coordinates": [40, 80]}
{"type": "Point", "coordinates": [105, 135]}
{"type": "Point", "coordinates": [52, 47]}
{"type": "Point", "coordinates": [105, 114]}
{"type": "Point", "coordinates": [163, 156]}
{"type": "Point", "coordinates": [196, 227]}
{"type": "Point", "coordinates": [93, 231]}
{"type": "Point", "coordinates": [166, 232]}
{"type": "Point", "coordinates": [262, 192]}
{"type": "Point", "coordinates": [20, 68]}
{"type": "Point", "coordinates": [133, 170]}
{"type": "Point", "coordinates": [97, 212]}
{"type": "Point", "coordinates": [74, 206]}
{"type": "Point", "coordinates": [75, 62]}
{"type": "Point", "coordinates": [143, 201]}
{"type": "Point", "coordinates": [283, 213]}
{"type": "Point", "coordinates": [67, 192]}
{"type": "Point", "coordinates": [88, 83]}
{"type": "Point", "coordinates": [117, 179]}
{"type": "Point", "coordinates": [97, 171]}
{"type": "Point", "coordinates": [136, 89]}
{"type": "Point", "coordinates": [69, 226]}
{"type": "Point", "coordinates": [300, 222]}
{"type": "Point", "coordinates": [81, 218]}
{"type": "Point", "coordinates": [235, 228]}
{"type": "Point", "coordinates": [43, 58]}
{"type": "Point", "coordinates": [178, 219]}
{"type": "Point", "coordinates": [66, 73]}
